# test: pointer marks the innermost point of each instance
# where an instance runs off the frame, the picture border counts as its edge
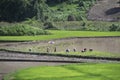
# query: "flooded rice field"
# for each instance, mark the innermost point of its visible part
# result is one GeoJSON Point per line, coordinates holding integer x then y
{"type": "Point", "coordinates": [102, 44]}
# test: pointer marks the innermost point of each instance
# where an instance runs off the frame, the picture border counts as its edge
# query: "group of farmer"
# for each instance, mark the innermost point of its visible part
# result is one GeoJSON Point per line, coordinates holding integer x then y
{"type": "Point", "coordinates": [84, 50]}
{"type": "Point", "coordinates": [68, 50]}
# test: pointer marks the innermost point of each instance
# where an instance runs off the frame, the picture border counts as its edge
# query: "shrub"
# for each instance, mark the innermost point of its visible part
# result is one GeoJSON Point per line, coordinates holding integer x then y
{"type": "Point", "coordinates": [71, 18]}
{"type": "Point", "coordinates": [81, 3]}
{"type": "Point", "coordinates": [114, 27]}
{"type": "Point", "coordinates": [86, 25]}
{"type": "Point", "coordinates": [21, 30]}
{"type": "Point", "coordinates": [50, 25]}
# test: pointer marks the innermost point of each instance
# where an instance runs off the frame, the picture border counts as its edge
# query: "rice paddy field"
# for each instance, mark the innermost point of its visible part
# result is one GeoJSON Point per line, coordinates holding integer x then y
{"type": "Point", "coordinates": [104, 44]}
{"type": "Point", "coordinates": [83, 71]}
{"type": "Point", "coordinates": [108, 47]}
{"type": "Point", "coordinates": [58, 34]}
{"type": "Point", "coordinates": [102, 47]}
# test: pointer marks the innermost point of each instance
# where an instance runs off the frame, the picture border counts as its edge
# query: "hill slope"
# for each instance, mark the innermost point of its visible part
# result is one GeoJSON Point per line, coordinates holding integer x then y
{"type": "Point", "coordinates": [44, 10]}
{"type": "Point", "coordinates": [106, 10]}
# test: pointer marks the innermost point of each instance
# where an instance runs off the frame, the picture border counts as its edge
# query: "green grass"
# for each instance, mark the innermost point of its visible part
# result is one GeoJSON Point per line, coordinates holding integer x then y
{"type": "Point", "coordinates": [84, 71]}
{"type": "Point", "coordinates": [85, 25]}
{"type": "Point", "coordinates": [88, 53]}
{"type": "Point", "coordinates": [94, 53]}
{"type": "Point", "coordinates": [56, 34]}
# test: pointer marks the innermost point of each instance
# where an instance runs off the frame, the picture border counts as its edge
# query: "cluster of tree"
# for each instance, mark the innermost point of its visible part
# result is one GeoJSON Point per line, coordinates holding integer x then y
{"type": "Point", "coordinates": [114, 27]}
{"type": "Point", "coordinates": [18, 10]}
{"type": "Point", "coordinates": [59, 1]}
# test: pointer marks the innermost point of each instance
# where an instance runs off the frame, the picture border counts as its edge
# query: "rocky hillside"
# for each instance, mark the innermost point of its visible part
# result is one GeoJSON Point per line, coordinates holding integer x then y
{"type": "Point", "coordinates": [105, 10]}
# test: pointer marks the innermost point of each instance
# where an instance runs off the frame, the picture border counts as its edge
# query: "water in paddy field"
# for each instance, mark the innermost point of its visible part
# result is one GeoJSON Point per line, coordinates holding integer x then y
{"type": "Point", "coordinates": [99, 44]}
{"type": "Point", "coordinates": [102, 44]}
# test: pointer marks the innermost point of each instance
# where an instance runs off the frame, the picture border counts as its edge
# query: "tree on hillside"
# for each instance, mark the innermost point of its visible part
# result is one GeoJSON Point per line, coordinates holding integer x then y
{"type": "Point", "coordinates": [81, 3]}
{"type": "Point", "coordinates": [70, 1]}
{"type": "Point", "coordinates": [59, 1]}
{"type": "Point", "coordinates": [18, 10]}
{"type": "Point", "coordinates": [41, 8]}
{"type": "Point", "coordinates": [71, 18]}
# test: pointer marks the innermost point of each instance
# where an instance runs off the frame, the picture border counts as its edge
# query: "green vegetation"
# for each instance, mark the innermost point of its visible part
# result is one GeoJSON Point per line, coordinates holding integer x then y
{"type": "Point", "coordinates": [94, 54]}
{"type": "Point", "coordinates": [33, 27]}
{"type": "Point", "coordinates": [16, 10]}
{"type": "Point", "coordinates": [68, 18]}
{"type": "Point", "coordinates": [21, 9]}
{"type": "Point", "coordinates": [77, 9]}
{"type": "Point", "coordinates": [20, 30]}
{"type": "Point", "coordinates": [43, 10]}
{"type": "Point", "coordinates": [87, 25]}
{"type": "Point", "coordinates": [74, 25]}
{"type": "Point", "coordinates": [49, 14]}
{"type": "Point", "coordinates": [114, 27]}
{"type": "Point", "coordinates": [57, 34]}
{"type": "Point", "coordinates": [83, 71]}
{"type": "Point", "coordinates": [42, 50]}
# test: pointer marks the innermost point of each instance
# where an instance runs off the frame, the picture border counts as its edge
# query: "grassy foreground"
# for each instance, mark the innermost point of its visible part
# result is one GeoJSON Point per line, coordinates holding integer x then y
{"type": "Point", "coordinates": [56, 34]}
{"type": "Point", "coordinates": [84, 71]}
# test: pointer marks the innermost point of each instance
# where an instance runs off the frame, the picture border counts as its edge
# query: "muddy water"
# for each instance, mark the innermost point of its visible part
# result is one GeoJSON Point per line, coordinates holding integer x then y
{"type": "Point", "coordinates": [98, 44]}
{"type": "Point", "coordinates": [103, 44]}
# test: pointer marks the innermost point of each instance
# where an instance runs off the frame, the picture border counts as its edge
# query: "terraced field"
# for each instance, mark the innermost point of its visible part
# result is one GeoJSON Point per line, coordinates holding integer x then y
{"type": "Point", "coordinates": [58, 34]}
{"type": "Point", "coordinates": [107, 71]}
{"type": "Point", "coordinates": [104, 44]}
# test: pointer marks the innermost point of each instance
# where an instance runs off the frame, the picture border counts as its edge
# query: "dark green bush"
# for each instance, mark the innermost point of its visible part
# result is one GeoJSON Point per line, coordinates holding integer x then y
{"type": "Point", "coordinates": [71, 18]}
{"type": "Point", "coordinates": [87, 25]}
{"type": "Point", "coordinates": [81, 3]}
{"type": "Point", "coordinates": [50, 25]}
{"type": "Point", "coordinates": [21, 30]}
{"type": "Point", "coordinates": [114, 27]}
